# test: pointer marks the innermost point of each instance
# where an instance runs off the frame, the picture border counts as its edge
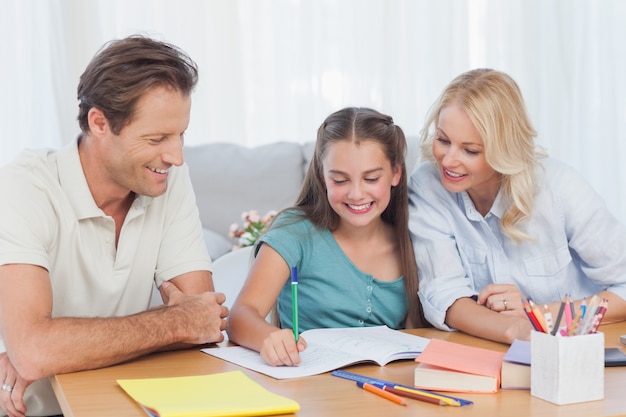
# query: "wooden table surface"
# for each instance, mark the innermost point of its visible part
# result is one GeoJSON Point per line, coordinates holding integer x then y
{"type": "Point", "coordinates": [95, 393]}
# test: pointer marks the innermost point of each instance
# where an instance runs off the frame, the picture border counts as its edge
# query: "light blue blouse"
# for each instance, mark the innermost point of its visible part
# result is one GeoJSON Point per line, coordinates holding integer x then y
{"type": "Point", "coordinates": [332, 291]}
{"type": "Point", "coordinates": [578, 246]}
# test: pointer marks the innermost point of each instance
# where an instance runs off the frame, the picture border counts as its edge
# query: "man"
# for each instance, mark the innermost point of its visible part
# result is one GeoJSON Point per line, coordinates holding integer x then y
{"type": "Point", "coordinates": [85, 230]}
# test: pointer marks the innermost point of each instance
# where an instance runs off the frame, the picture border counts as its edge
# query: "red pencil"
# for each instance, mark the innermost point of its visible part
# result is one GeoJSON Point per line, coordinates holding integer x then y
{"type": "Point", "coordinates": [538, 316]}
{"type": "Point", "coordinates": [531, 317]}
{"type": "Point", "coordinates": [599, 315]}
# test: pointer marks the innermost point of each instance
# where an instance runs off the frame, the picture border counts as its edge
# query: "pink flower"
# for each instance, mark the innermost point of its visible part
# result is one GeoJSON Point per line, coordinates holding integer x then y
{"type": "Point", "coordinates": [253, 216]}
{"type": "Point", "coordinates": [251, 229]}
{"type": "Point", "coordinates": [232, 232]}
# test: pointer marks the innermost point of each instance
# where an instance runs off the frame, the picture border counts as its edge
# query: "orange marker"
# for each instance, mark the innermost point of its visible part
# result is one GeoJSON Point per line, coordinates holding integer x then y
{"type": "Point", "coordinates": [381, 392]}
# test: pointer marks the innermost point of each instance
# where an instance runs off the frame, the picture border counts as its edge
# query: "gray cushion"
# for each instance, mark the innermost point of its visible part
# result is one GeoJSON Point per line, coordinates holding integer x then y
{"type": "Point", "coordinates": [216, 244]}
{"type": "Point", "coordinates": [229, 179]}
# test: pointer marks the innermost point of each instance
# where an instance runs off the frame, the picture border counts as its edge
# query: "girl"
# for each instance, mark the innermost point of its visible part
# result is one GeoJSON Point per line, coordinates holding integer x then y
{"type": "Point", "coordinates": [348, 237]}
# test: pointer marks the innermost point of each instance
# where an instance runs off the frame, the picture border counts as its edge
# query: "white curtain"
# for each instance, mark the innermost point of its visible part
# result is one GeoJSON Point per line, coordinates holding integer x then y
{"type": "Point", "coordinates": [274, 69]}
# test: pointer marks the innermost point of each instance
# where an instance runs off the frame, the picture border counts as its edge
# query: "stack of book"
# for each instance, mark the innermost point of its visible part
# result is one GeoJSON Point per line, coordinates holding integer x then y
{"type": "Point", "coordinates": [447, 366]}
{"type": "Point", "coordinates": [516, 366]}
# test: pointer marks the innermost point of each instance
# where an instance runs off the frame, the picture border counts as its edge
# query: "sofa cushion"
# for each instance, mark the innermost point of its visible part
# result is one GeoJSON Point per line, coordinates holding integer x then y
{"type": "Point", "coordinates": [216, 244]}
{"type": "Point", "coordinates": [229, 179]}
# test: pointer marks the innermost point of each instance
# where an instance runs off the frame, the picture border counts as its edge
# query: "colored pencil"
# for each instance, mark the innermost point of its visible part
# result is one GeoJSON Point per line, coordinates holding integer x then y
{"type": "Point", "coordinates": [381, 392]}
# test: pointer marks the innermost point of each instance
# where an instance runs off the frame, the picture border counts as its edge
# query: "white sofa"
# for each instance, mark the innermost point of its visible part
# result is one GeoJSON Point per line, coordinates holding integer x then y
{"type": "Point", "coordinates": [229, 179]}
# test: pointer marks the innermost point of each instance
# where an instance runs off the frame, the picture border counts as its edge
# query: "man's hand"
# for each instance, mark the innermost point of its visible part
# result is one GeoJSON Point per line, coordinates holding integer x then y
{"type": "Point", "coordinates": [205, 316]}
{"type": "Point", "coordinates": [13, 388]}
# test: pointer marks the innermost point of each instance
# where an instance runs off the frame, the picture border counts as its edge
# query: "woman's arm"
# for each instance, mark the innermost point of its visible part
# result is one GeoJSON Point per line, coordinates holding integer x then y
{"type": "Point", "coordinates": [470, 317]}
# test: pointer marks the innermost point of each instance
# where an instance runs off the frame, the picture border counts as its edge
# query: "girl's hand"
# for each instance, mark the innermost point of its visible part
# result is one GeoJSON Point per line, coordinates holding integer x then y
{"type": "Point", "coordinates": [280, 348]}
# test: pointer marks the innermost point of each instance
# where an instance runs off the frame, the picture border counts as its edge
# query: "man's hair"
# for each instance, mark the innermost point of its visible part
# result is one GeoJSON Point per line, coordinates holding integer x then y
{"type": "Point", "coordinates": [123, 70]}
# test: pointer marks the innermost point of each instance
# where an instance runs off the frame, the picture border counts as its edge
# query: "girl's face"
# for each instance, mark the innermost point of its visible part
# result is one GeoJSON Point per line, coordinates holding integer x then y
{"type": "Point", "coordinates": [460, 155]}
{"type": "Point", "coordinates": [358, 180]}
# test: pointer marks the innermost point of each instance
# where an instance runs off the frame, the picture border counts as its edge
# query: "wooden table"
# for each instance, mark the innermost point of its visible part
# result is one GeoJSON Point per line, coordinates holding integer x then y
{"type": "Point", "coordinates": [95, 393]}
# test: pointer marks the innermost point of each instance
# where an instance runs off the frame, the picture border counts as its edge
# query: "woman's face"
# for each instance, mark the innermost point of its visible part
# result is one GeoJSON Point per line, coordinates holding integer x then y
{"type": "Point", "coordinates": [460, 155]}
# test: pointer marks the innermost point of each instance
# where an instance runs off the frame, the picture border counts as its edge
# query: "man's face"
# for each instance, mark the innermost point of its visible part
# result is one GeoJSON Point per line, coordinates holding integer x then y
{"type": "Point", "coordinates": [139, 158]}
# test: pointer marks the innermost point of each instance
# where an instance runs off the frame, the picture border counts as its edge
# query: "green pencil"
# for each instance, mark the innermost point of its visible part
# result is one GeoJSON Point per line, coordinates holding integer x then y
{"type": "Point", "coordinates": [294, 301]}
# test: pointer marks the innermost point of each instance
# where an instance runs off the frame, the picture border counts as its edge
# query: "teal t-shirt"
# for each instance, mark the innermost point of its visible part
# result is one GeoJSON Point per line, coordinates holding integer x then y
{"type": "Point", "coordinates": [332, 291]}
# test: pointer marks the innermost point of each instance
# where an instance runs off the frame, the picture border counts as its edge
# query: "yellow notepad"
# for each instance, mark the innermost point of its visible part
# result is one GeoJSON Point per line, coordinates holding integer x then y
{"type": "Point", "coordinates": [223, 394]}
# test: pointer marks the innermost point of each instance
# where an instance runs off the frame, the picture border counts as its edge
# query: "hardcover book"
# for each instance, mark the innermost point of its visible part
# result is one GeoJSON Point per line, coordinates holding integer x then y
{"type": "Point", "coordinates": [448, 366]}
{"type": "Point", "coordinates": [516, 366]}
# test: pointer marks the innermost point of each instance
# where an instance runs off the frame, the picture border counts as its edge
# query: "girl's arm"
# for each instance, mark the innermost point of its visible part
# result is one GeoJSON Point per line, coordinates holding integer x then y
{"type": "Point", "coordinates": [247, 325]}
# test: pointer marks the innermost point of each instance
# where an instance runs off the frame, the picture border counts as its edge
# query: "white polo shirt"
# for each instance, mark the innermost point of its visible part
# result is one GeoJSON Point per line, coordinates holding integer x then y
{"type": "Point", "coordinates": [49, 218]}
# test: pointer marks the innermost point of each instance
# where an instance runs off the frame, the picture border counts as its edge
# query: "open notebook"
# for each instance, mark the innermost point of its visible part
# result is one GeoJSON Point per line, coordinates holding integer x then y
{"type": "Point", "coordinates": [330, 349]}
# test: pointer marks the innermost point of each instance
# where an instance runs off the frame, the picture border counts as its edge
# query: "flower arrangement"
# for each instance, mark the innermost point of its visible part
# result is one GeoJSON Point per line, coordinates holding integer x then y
{"type": "Point", "coordinates": [252, 227]}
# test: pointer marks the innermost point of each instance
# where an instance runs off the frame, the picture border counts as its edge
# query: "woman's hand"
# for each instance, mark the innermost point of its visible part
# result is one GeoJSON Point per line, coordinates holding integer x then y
{"type": "Point", "coordinates": [280, 348]}
{"type": "Point", "coordinates": [502, 298]}
{"type": "Point", "coordinates": [468, 316]}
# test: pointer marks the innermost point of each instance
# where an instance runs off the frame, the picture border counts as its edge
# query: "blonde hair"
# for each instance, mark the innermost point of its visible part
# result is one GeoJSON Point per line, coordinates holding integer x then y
{"type": "Point", "coordinates": [493, 102]}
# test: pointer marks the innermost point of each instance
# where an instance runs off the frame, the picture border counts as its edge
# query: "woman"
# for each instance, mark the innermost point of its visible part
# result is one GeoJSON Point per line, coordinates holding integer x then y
{"type": "Point", "coordinates": [494, 221]}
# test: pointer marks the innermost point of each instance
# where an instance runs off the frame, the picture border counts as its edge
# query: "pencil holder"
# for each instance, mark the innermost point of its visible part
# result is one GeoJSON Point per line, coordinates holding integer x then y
{"type": "Point", "coordinates": [567, 370]}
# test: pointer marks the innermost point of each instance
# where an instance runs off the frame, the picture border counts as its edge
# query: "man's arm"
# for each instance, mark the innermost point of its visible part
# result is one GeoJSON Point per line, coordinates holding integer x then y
{"type": "Point", "coordinates": [195, 282]}
{"type": "Point", "coordinates": [39, 345]}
